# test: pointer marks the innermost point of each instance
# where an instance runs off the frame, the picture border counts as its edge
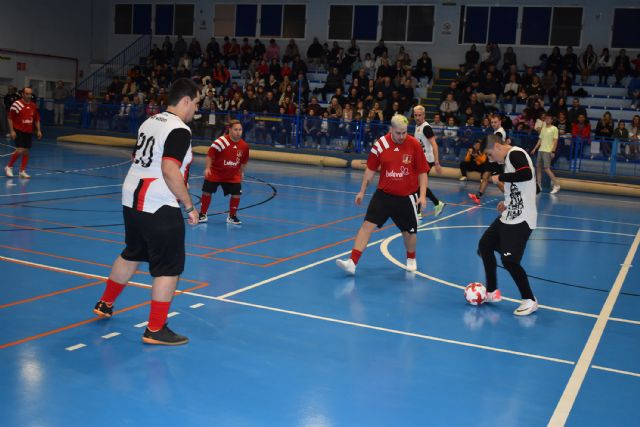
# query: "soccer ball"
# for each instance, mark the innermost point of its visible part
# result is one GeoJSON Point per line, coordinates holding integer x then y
{"type": "Point", "coordinates": [475, 293]}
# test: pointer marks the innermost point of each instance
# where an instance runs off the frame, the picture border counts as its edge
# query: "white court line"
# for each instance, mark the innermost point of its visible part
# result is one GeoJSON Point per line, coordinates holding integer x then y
{"type": "Point", "coordinates": [173, 313]}
{"type": "Point", "coordinates": [384, 248]}
{"type": "Point", "coordinates": [198, 305]}
{"type": "Point", "coordinates": [617, 371]}
{"type": "Point", "coordinates": [75, 347]}
{"type": "Point", "coordinates": [111, 335]}
{"type": "Point", "coordinates": [62, 190]}
{"type": "Point", "coordinates": [308, 266]}
{"type": "Point", "coordinates": [565, 404]}
{"type": "Point", "coordinates": [141, 325]}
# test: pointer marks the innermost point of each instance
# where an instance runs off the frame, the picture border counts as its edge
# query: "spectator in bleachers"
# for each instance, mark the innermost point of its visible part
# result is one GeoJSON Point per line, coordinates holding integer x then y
{"type": "Point", "coordinates": [588, 63]}
{"type": "Point", "coordinates": [259, 50]}
{"type": "Point", "coordinates": [152, 108]}
{"type": "Point", "coordinates": [509, 60]}
{"type": "Point", "coordinates": [290, 51]}
{"type": "Point", "coordinates": [575, 111]}
{"type": "Point", "coordinates": [286, 71]}
{"type": "Point", "coordinates": [633, 91]}
{"type": "Point", "coordinates": [185, 62]}
{"type": "Point", "coordinates": [424, 68]}
{"type": "Point", "coordinates": [634, 137]}
{"type": "Point", "coordinates": [527, 78]}
{"type": "Point", "coordinates": [270, 103]}
{"type": "Point", "coordinates": [275, 68]}
{"type": "Point", "coordinates": [393, 108]}
{"type": "Point", "coordinates": [384, 69]}
{"type": "Point", "coordinates": [570, 62]}
{"type": "Point", "coordinates": [471, 57]}
{"type": "Point", "coordinates": [237, 102]}
{"type": "Point", "coordinates": [121, 119]}
{"type": "Point", "coordinates": [604, 133]}
{"type": "Point", "coordinates": [89, 112]}
{"type": "Point", "coordinates": [263, 69]}
{"type": "Point", "coordinates": [315, 106]}
{"type": "Point", "coordinates": [167, 49]}
{"type": "Point", "coordinates": [564, 137]}
{"type": "Point", "coordinates": [554, 61]}
{"type": "Point", "coordinates": [489, 89]}
{"type": "Point", "coordinates": [581, 131]}
{"type": "Point", "coordinates": [299, 66]}
{"type": "Point", "coordinates": [311, 127]}
{"type": "Point", "coordinates": [550, 85]}
{"type": "Point", "coordinates": [221, 76]}
{"type": "Point", "coordinates": [407, 95]}
{"type": "Point", "coordinates": [315, 54]}
{"type": "Point", "coordinates": [621, 134]}
{"type": "Point", "coordinates": [129, 89]}
{"type": "Point", "coordinates": [377, 109]}
{"type": "Point", "coordinates": [213, 50]}
{"type": "Point", "coordinates": [449, 107]}
{"type": "Point", "coordinates": [179, 49]}
{"type": "Point", "coordinates": [560, 105]}
{"type": "Point", "coordinates": [352, 54]}
{"type": "Point", "coordinates": [565, 85]}
{"type": "Point", "coordinates": [273, 51]}
{"type": "Point", "coordinates": [477, 108]}
{"type": "Point", "coordinates": [380, 49]}
{"type": "Point", "coordinates": [60, 95]}
{"type": "Point", "coordinates": [195, 51]}
{"type": "Point", "coordinates": [473, 161]}
{"type": "Point", "coordinates": [246, 56]}
{"type": "Point", "coordinates": [535, 90]}
{"type": "Point", "coordinates": [604, 66]}
{"type": "Point", "coordinates": [621, 66]}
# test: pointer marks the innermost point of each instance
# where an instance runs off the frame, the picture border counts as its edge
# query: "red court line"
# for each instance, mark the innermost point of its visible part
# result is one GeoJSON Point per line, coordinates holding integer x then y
{"type": "Point", "coordinates": [84, 322]}
{"type": "Point", "coordinates": [108, 232]}
{"type": "Point", "coordinates": [293, 233]}
{"type": "Point", "coordinates": [31, 251]}
{"type": "Point", "coordinates": [62, 291]}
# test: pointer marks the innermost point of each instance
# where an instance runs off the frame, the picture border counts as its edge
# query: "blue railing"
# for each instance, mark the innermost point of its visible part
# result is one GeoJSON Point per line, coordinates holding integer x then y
{"type": "Point", "coordinates": [602, 156]}
{"type": "Point", "coordinates": [98, 81]}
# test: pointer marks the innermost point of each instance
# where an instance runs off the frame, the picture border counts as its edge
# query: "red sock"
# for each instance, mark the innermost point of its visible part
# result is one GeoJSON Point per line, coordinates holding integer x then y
{"type": "Point", "coordinates": [158, 315]}
{"type": "Point", "coordinates": [233, 206]}
{"type": "Point", "coordinates": [205, 202]}
{"type": "Point", "coordinates": [411, 255]}
{"type": "Point", "coordinates": [13, 159]}
{"type": "Point", "coordinates": [25, 160]}
{"type": "Point", "coordinates": [112, 291]}
{"type": "Point", "coordinates": [355, 255]}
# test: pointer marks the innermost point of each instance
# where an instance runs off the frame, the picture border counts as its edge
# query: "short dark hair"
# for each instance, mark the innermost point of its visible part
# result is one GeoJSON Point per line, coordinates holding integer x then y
{"type": "Point", "coordinates": [181, 88]}
{"type": "Point", "coordinates": [490, 141]}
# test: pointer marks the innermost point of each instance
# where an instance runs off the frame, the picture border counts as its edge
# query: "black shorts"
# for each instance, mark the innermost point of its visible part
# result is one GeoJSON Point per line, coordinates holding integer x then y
{"type": "Point", "coordinates": [401, 209]}
{"type": "Point", "coordinates": [235, 189]}
{"type": "Point", "coordinates": [493, 168]}
{"type": "Point", "coordinates": [431, 166]}
{"type": "Point", "coordinates": [23, 140]}
{"type": "Point", "coordinates": [156, 238]}
{"type": "Point", "coordinates": [508, 239]}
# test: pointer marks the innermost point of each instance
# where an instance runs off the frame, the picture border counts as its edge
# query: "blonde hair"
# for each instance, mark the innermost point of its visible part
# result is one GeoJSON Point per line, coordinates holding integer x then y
{"type": "Point", "coordinates": [419, 108]}
{"type": "Point", "coordinates": [234, 122]}
{"type": "Point", "coordinates": [399, 121]}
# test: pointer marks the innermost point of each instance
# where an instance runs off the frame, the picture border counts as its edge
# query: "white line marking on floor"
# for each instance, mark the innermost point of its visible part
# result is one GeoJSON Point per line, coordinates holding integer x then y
{"type": "Point", "coordinates": [617, 371]}
{"type": "Point", "coordinates": [141, 325]}
{"type": "Point", "coordinates": [308, 266]}
{"type": "Point", "coordinates": [111, 335]}
{"type": "Point", "coordinates": [62, 190]}
{"type": "Point", "coordinates": [198, 305]}
{"type": "Point", "coordinates": [173, 313]}
{"type": "Point", "coordinates": [75, 347]}
{"type": "Point", "coordinates": [565, 404]}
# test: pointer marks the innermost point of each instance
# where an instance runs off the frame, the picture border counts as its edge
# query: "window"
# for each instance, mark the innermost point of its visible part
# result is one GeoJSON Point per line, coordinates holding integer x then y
{"type": "Point", "coordinates": [353, 22]}
{"type": "Point", "coordinates": [421, 23]}
{"type": "Point", "coordinates": [164, 20]}
{"type": "Point", "coordinates": [142, 19]}
{"type": "Point", "coordinates": [246, 19]}
{"type": "Point", "coordinates": [482, 24]}
{"type": "Point", "coordinates": [276, 20]}
{"type": "Point", "coordinates": [551, 26]}
{"type": "Point", "coordinates": [294, 21]}
{"type": "Point", "coordinates": [271, 20]}
{"type": "Point", "coordinates": [394, 23]}
{"type": "Point", "coordinates": [224, 19]}
{"type": "Point", "coordinates": [408, 23]}
{"type": "Point", "coordinates": [365, 23]}
{"type": "Point", "coordinates": [123, 18]}
{"type": "Point", "coordinates": [183, 24]}
{"type": "Point", "coordinates": [340, 22]}
{"type": "Point", "coordinates": [625, 34]}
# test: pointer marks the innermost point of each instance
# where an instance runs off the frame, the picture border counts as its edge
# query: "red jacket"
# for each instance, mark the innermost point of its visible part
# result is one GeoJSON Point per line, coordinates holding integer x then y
{"type": "Point", "coordinates": [583, 132]}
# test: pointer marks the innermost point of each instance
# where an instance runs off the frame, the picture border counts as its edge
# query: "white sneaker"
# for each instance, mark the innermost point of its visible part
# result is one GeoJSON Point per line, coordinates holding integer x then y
{"type": "Point", "coordinates": [527, 306]}
{"type": "Point", "coordinates": [555, 189]}
{"type": "Point", "coordinates": [24, 174]}
{"type": "Point", "coordinates": [202, 218]}
{"type": "Point", "coordinates": [8, 171]}
{"type": "Point", "coordinates": [347, 265]}
{"type": "Point", "coordinates": [494, 296]}
{"type": "Point", "coordinates": [438, 209]}
{"type": "Point", "coordinates": [412, 264]}
{"type": "Point", "coordinates": [462, 178]}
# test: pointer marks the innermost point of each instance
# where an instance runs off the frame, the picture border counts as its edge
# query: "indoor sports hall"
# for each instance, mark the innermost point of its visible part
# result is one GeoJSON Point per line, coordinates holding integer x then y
{"type": "Point", "coordinates": [278, 334]}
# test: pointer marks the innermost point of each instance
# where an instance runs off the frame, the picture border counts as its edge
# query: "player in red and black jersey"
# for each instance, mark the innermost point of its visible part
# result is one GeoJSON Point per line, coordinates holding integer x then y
{"type": "Point", "coordinates": [23, 118]}
{"type": "Point", "coordinates": [401, 189]}
{"type": "Point", "coordinates": [224, 167]}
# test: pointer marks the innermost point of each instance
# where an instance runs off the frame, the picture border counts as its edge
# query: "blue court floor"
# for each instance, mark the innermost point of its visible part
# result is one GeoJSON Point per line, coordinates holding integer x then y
{"type": "Point", "coordinates": [280, 337]}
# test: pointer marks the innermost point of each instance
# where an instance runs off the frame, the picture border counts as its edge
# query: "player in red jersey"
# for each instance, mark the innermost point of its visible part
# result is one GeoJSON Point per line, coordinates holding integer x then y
{"type": "Point", "coordinates": [224, 167]}
{"type": "Point", "coordinates": [23, 117]}
{"type": "Point", "coordinates": [402, 186]}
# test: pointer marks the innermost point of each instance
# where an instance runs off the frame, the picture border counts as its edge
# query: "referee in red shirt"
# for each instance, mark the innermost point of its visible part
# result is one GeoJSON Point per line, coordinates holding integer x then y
{"type": "Point", "coordinates": [224, 167]}
{"type": "Point", "coordinates": [23, 117]}
{"type": "Point", "coordinates": [402, 186]}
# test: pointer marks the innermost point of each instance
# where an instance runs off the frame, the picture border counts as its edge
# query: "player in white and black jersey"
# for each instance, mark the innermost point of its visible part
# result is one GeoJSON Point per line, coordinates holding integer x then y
{"type": "Point", "coordinates": [491, 168]}
{"type": "Point", "coordinates": [510, 232]}
{"type": "Point", "coordinates": [425, 135]}
{"type": "Point", "coordinates": [154, 226]}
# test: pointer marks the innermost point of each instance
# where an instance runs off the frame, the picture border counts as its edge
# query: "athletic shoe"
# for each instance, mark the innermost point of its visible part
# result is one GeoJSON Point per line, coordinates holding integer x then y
{"type": "Point", "coordinates": [24, 174]}
{"type": "Point", "coordinates": [412, 264]}
{"type": "Point", "coordinates": [475, 198]}
{"type": "Point", "coordinates": [555, 189]}
{"type": "Point", "coordinates": [527, 306]}
{"type": "Point", "coordinates": [8, 171]}
{"type": "Point", "coordinates": [462, 178]}
{"type": "Point", "coordinates": [233, 220]}
{"type": "Point", "coordinates": [494, 296]}
{"type": "Point", "coordinates": [419, 216]}
{"type": "Point", "coordinates": [164, 336]}
{"type": "Point", "coordinates": [202, 218]}
{"type": "Point", "coordinates": [347, 265]}
{"type": "Point", "coordinates": [439, 207]}
{"type": "Point", "coordinates": [102, 309]}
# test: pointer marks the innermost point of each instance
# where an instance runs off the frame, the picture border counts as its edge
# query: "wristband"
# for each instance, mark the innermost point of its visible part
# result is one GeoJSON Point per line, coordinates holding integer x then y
{"type": "Point", "coordinates": [189, 210]}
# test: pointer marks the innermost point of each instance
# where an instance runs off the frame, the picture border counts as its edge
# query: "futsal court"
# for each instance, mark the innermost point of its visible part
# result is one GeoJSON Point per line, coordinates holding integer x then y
{"type": "Point", "coordinates": [280, 336]}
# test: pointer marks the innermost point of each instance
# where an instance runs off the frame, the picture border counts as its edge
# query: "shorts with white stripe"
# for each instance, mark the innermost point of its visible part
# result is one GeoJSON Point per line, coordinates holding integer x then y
{"type": "Point", "coordinates": [401, 209]}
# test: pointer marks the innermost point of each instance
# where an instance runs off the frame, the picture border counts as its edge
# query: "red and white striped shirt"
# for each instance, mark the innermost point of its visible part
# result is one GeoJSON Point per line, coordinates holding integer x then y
{"type": "Point", "coordinates": [227, 158]}
{"type": "Point", "coordinates": [23, 115]}
{"type": "Point", "coordinates": [400, 164]}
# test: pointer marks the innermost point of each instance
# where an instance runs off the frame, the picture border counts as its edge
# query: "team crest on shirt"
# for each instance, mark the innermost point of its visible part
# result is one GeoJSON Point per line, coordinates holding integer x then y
{"type": "Point", "coordinates": [406, 159]}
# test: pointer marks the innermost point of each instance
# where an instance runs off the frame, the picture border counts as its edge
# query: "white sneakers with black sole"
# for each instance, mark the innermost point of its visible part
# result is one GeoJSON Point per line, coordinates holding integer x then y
{"type": "Point", "coordinates": [527, 307]}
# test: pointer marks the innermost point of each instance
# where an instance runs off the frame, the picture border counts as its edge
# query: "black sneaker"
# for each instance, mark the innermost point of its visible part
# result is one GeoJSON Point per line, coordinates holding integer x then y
{"type": "Point", "coordinates": [202, 218]}
{"type": "Point", "coordinates": [102, 309]}
{"type": "Point", "coordinates": [233, 220]}
{"type": "Point", "coordinates": [164, 336]}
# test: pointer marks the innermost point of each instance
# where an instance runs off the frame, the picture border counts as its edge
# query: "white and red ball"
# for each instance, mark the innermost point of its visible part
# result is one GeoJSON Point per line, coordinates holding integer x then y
{"type": "Point", "coordinates": [475, 293]}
